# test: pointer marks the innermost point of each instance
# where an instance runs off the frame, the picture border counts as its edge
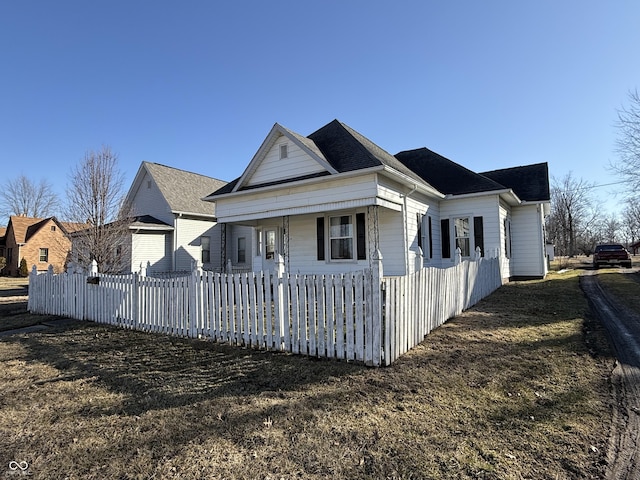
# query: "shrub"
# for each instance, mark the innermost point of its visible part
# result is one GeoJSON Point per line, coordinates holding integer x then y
{"type": "Point", "coordinates": [24, 270]}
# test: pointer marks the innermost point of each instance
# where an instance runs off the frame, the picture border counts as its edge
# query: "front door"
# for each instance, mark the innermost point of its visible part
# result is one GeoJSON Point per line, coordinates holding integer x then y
{"type": "Point", "coordinates": [271, 246]}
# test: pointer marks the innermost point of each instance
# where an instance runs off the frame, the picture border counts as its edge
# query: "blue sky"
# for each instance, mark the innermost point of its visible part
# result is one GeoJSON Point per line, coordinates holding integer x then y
{"type": "Point", "coordinates": [198, 84]}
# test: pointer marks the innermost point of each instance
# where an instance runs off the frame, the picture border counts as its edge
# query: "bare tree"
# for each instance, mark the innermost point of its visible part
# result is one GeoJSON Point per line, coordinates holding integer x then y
{"type": "Point", "coordinates": [95, 197]}
{"type": "Point", "coordinates": [628, 145]}
{"type": "Point", "coordinates": [22, 196]}
{"type": "Point", "coordinates": [631, 221]}
{"type": "Point", "coordinates": [572, 216]}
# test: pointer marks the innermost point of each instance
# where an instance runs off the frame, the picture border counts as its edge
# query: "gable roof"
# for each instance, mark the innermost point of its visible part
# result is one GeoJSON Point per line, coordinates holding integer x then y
{"type": "Point", "coordinates": [347, 150]}
{"type": "Point", "coordinates": [336, 145]}
{"type": "Point", "coordinates": [182, 190]}
{"type": "Point", "coordinates": [529, 182]}
{"type": "Point", "coordinates": [307, 145]}
{"type": "Point", "coordinates": [22, 227]}
{"type": "Point", "coordinates": [26, 227]}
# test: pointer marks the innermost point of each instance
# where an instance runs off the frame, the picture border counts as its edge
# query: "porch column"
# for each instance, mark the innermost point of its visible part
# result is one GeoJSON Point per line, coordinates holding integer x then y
{"type": "Point", "coordinates": [373, 233]}
{"type": "Point", "coordinates": [285, 241]}
{"type": "Point", "coordinates": [223, 246]}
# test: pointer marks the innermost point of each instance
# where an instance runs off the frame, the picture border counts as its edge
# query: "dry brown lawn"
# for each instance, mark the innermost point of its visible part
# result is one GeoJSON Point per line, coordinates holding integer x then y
{"type": "Point", "coordinates": [516, 387]}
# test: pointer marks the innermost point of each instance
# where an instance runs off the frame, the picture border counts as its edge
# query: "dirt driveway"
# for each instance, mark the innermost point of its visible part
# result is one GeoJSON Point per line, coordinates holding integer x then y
{"type": "Point", "coordinates": [623, 326]}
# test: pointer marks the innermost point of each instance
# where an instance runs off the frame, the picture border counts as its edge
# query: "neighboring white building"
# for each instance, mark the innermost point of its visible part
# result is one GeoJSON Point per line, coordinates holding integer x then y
{"type": "Point", "coordinates": [328, 201]}
{"type": "Point", "coordinates": [173, 227]}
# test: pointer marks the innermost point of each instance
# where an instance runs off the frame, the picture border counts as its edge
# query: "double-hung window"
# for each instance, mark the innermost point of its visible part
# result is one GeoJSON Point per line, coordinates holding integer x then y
{"type": "Point", "coordinates": [462, 232]}
{"type": "Point", "coordinates": [205, 245]}
{"type": "Point", "coordinates": [345, 237]}
{"type": "Point", "coordinates": [341, 237]}
{"type": "Point", "coordinates": [242, 250]}
{"type": "Point", "coordinates": [44, 255]}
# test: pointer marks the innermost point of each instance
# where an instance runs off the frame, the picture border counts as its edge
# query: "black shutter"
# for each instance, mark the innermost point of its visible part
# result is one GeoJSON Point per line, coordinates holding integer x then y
{"type": "Point", "coordinates": [361, 243]}
{"type": "Point", "coordinates": [444, 233]}
{"type": "Point", "coordinates": [430, 239]}
{"type": "Point", "coordinates": [419, 219]}
{"type": "Point", "coordinates": [320, 238]}
{"type": "Point", "coordinates": [478, 234]}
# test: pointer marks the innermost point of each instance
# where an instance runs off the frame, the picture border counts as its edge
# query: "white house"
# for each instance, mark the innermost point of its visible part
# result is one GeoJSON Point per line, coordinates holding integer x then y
{"type": "Point", "coordinates": [173, 227]}
{"type": "Point", "coordinates": [328, 201]}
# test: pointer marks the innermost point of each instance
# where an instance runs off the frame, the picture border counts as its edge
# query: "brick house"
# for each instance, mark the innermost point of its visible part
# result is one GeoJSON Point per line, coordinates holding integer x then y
{"type": "Point", "coordinates": [40, 241]}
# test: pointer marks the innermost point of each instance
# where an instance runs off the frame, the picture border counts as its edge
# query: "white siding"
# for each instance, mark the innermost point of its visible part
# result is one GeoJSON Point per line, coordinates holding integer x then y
{"type": "Point", "coordinates": [486, 207]}
{"type": "Point", "coordinates": [425, 207]}
{"type": "Point", "coordinates": [151, 250]}
{"type": "Point", "coordinates": [505, 216]}
{"type": "Point", "coordinates": [309, 198]}
{"type": "Point", "coordinates": [149, 201]}
{"type": "Point", "coordinates": [273, 168]}
{"type": "Point", "coordinates": [303, 251]}
{"type": "Point", "coordinates": [528, 256]}
{"type": "Point", "coordinates": [234, 232]}
{"type": "Point", "coordinates": [392, 245]}
{"type": "Point", "coordinates": [188, 247]}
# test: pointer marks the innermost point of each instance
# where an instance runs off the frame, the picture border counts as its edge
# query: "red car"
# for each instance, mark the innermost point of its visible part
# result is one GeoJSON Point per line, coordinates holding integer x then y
{"type": "Point", "coordinates": [611, 254]}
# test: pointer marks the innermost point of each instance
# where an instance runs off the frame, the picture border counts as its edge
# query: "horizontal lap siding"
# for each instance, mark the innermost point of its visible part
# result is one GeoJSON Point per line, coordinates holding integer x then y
{"type": "Point", "coordinates": [188, 246]}
{"type": "Point", "coordinates": [151, 250]}
{"type": "Point", "coordinates": [303, 249]}
{"type": "Point", "coordinates": [272, 168]}
{"type": "Point", "coordinates": [526, 239]}
{"type": "Point", "coordinates": [314, 197]}
{"type": "Point", "coordinates": [150, 201]}
{"type": "Point", "coordinates": [486, 207]}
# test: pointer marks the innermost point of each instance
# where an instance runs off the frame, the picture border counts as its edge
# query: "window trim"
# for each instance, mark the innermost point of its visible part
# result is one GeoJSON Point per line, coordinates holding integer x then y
{"type": "Point", "coordinates": [204, 250]}
{"type": "Point", "coordinates": [242, 260]}
{"type": "Point", "coordinates": [468, 237]}
{"type": "Point", "coordinates": [359, 248]}
{"type": "Point", "coordinates": [284, 151]}
{"type": "Point", "coordinates": [351, 237]}
{"type": "Point", "coordinates": [45, 255]}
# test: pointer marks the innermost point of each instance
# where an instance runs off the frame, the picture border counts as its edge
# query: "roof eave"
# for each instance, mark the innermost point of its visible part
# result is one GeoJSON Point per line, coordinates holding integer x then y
{"type": "Point", "coordinates": [420, 186]}
{"type": "Point", "coordinates": [295, 183]}
{"type": "Point", "coordinates": [180, 213]}
{"type": "Point", "coordinates": [508, 195]}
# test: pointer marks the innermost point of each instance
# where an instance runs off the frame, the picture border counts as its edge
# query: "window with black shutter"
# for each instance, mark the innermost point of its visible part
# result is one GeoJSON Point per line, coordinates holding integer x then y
{"type": "Point", "coordinates": [430, 239]}
{"type": "Point", "coordinates": [361, 244]}
{"type": "Point", "coordinates": [320, 238]}
{"type": "Point", "coordinates": [478, 234]}
{"type": "Point", "coordinates": [445, 235]}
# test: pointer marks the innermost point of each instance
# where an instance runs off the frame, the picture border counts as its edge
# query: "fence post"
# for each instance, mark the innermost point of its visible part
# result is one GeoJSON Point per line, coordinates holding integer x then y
{"type": "Point", "coordinates": [193, 301]}
{"type": "Point", "coordinates": [135, 301]}
{"type": "Point", "coordinates": [94, 267]}
{"type": "Point", "coordinates": [31, 299]}
{"type": "Point", "coordinates": [229, 267]}
{"type": "Point", "coordinates": [458, 256]}
{"type": "Point", "coordinates": [374, 319]}
{"type": "Point", "coordinates": [478, 253]}
{"type": "Point", "coordinates": [419, 259]}
{"type": "Point", "coordinates": [278, 299]}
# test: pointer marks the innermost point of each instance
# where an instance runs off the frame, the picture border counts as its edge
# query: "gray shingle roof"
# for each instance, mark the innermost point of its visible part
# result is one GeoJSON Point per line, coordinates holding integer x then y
{"type": "Point", "coordinates": [445, 175]}
{"type": "Point", "coordinates": [184, 190]}
{"type": "Point", "coordinates": [529, 182]}
{"type": "Point", "coordinates": [347, 150]}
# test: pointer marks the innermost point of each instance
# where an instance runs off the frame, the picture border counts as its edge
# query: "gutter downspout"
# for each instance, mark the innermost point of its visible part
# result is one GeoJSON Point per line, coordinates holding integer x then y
{"type": "Point", "coordinates": [405, 229]}
{"type": "Point", "coordinates": [174, 259]}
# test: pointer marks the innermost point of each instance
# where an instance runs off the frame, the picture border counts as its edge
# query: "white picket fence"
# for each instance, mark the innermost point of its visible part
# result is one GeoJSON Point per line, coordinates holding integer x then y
{"type": "Point", "coordinates": [359, 316]}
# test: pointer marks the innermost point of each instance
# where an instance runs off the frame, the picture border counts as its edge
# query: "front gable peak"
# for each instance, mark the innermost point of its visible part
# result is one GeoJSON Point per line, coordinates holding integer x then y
{"type": "Point", "coordinates": [283, 156]}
